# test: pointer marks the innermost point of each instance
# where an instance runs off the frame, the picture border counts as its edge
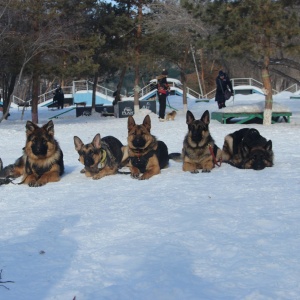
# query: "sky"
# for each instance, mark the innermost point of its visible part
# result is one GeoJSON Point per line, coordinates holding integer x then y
{"type": "Point", "coordinates": [229, 234]}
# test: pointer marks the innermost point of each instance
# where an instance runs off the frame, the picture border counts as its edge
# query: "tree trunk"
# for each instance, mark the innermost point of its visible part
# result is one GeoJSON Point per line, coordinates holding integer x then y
{"type": "Point", "coordinates": [268, 90]}
{"type": "Point", "coordinates": [184, 96]}
{"type": "Point", "coordinates": [35, 77]}
{"type": "Point", "coordinates": [120, 83]}
{"type": "Point", "coordinates": [8, 88]}
{"type": "Point", "coordinates": [183, 80]}
{"type": "Point", "coordinates": [94, 92]}
{"type": "Point", "coordinates": [35, 97]}
{"type": "Point", "coordinates": [202, 71]}
{"type": "Point", "coordinates": [137, 59]}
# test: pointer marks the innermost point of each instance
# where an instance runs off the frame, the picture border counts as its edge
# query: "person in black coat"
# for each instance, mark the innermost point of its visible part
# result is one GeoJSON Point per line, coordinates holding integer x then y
{"type": "Point", "coordinates": [223, 83]}
{"type": "Point", "coordinates": [59, 97]}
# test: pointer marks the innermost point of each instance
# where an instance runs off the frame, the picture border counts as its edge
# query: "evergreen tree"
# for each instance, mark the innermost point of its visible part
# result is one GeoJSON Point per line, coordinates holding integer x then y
{"type": "Point", "coordinates": [254, 29]}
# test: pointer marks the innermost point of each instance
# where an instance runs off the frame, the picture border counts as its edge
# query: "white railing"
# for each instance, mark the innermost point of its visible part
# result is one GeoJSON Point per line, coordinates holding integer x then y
{"type": "Point", "coordinates": [293, 88]}
{"type": "Point", "coordinates": [152, 87]}
{"type": "Point", "coordinates": [19, 101]}
{"type": "Point", "coordinates": [42, 98]}
{"type": "Point", "coordinates": [193, 93]}
{"type": "Point", "coordinates": [237, 82]}
{"type": "Point", "coordinates": [85, 85]}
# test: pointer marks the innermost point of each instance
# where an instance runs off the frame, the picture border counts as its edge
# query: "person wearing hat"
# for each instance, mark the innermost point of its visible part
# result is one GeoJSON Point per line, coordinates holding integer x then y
{"type": "Point", "coordinates": [223, 84]}
{"type": "Point", "coordinates": [162, 90]}
{"type": "Point", "coordinates": [59, 97]}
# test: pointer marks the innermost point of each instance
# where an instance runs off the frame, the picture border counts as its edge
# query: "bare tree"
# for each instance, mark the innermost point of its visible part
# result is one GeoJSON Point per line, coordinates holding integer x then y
{"type": "Point", "coordinates": [172, 26]}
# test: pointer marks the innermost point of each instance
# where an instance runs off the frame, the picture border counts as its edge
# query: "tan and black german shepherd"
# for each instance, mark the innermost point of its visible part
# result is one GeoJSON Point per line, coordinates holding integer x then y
{"type": "Point", "coordinates": [145, 154]}
{"type": "Point", "coordinates": [199, 149]}
{"type": "Point", "coordinates": [247, 149]}
{"type": "Point", "coordinates": [42, 159]}
{"type": "Point", "coordinates": [101, 157]}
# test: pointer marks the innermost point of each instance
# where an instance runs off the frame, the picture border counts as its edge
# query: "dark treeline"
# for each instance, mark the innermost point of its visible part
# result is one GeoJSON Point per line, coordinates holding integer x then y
{"type": "Point", "coordinates": [128, 42]}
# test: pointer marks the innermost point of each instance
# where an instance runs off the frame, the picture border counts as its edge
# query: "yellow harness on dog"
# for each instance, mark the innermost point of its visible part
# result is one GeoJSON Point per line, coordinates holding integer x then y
{"type": "Point", "coordinates": [101, 162]}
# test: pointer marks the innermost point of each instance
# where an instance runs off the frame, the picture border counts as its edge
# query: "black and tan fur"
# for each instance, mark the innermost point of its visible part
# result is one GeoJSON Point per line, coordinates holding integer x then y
{"type": "Point", "coordinates": [101, 157]}
{"type": "Point", "coordinates": [3, 180]}
{"type": "Point", "coordinates": [199, 149]}
{"type": "Point", "coordinates": [146, 155]}
{"type": "Point", "coordinates": [247, 149]}
{"type": "Point", "coordinates": [171, 115]}
{"type": "Point", "coordinates": [42, 159]}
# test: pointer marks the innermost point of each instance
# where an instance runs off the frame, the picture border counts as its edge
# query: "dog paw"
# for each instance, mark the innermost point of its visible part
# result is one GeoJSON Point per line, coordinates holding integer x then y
{"type": "Point", "coordinates": [206, 171]}
{"type": "Point", "coordinates": [82, 171]}
{"type": "Point", "coordinates": [135, 175]}
{"type": "Point", "coordinates": [96, 177]}
{"type": "Point", "coordinates": [36, 184]}
{"type": "Point", "coordinates": [195, 171]}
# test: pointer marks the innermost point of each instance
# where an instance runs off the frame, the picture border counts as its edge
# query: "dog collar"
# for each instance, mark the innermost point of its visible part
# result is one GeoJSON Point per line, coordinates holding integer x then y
{"type": "Point", "coordinates": [100, 165]}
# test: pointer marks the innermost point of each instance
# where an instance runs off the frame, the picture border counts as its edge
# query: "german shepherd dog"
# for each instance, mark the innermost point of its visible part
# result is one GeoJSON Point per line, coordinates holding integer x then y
{"type": "Point", "coordinates": [146, 155]}
{"type": "Point", "coordinates": [247, 149]}
{"type": "Point", "coordinates": [101, 157]}
{"type": "Point", "coordinates": [171, 115]}
{"type": "Point", "coordinates": [199, 149]}
{"type": "Point", "coordinates": [42, 159]}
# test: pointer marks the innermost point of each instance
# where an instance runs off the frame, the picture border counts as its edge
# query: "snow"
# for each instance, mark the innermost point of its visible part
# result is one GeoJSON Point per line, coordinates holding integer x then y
{"type": "Point", "coordinates": [228, 234]}
{"type": "Point", "coordinates": [255, 108]}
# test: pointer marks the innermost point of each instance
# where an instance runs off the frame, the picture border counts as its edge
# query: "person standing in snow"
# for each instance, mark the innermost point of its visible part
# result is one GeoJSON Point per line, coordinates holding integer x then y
{"type": "Point", "coordinates": [163, 89]}
{"type": "Point", "coordinates": [59, 97]}
{"type": "Point", "coordinates": [223, 84]}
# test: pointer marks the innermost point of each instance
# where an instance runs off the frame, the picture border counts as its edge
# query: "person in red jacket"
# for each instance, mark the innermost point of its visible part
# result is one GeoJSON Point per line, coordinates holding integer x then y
{"type": "Point", "coordinates": [163, 89]}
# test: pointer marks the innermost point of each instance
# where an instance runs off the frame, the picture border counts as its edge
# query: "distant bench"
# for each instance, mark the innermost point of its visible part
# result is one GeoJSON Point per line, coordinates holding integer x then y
{"type": "Point", "coordinates": [80, 104]}
{"type": "Point", "coordinates": [225, 117]}
{"type": "Point", "coordinates": [23, 104]}
{"type": "Point", "coordinates": [295, 97]}
{"type": "Point", "coordinates": [202, 100]}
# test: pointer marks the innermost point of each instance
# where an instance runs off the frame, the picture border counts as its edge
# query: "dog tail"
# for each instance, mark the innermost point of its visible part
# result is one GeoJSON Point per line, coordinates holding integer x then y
{"type": "Point", "coordinates": [6, 172]}
{"type": "Point", "coordinates": [175, 156]}
{"type": "Point", "coordinates": [3, 175]}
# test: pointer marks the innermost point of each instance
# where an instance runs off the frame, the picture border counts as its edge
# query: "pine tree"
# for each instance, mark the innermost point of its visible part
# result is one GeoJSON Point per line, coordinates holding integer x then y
{"type": "Point", "coordinates": [254, 29]}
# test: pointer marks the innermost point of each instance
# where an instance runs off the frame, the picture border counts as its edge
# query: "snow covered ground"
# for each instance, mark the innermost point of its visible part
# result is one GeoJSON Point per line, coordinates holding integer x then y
{"type": "Point", "coordinates": [230, 234]}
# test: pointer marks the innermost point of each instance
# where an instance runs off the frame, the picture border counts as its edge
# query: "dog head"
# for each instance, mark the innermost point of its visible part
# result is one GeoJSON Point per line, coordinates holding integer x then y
{"type": "Point", "coordinates": [139, 136]}
{"type": "Point", "coordinates": [198, 129]}
{"type": "Point", "coordinates": [258, 157]}
{"type": "Point", "coordinates": [40, 141]}
{"type": "Point", "coordinates": [92, 154]}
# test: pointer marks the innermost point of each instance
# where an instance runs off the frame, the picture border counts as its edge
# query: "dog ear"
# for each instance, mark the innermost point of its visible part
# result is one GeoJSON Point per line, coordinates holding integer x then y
{"type": "Point", "coordinates": [30, 127]}
{"type": "Point", "coordinates": [147, 123]}
{"type": "Point", "coordinates": [97, 141]}
{"type": "Point", "coordinates": [78, 143]}
{"type": "Point", "coordinates": [268, 145]}
{"type": "Point", "coordinates": [189, 117]}
{"type": "Point", "coordinates": [205, 117]}
{"type": "Point", "coordinates": [49, 127]}
{"type": "Point", "coordinates": [131, 123]}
